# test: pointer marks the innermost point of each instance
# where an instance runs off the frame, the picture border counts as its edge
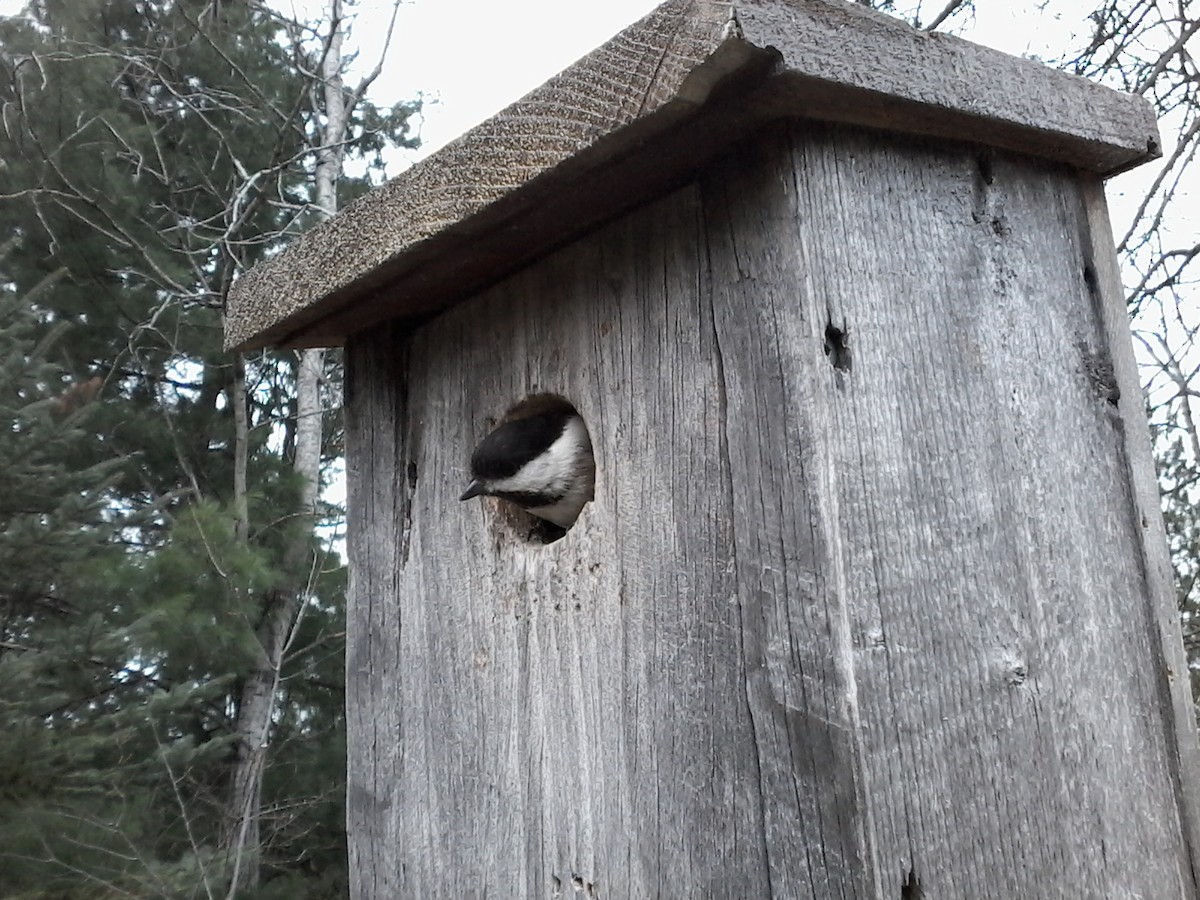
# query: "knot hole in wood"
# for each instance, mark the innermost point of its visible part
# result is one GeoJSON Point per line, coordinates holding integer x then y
{"type": "Point", "coordinates": [837, 347]}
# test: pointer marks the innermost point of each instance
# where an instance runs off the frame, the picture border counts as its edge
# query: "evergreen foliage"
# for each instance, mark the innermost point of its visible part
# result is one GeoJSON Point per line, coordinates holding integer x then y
{"type": "Point", "coordinates": [152, 150]}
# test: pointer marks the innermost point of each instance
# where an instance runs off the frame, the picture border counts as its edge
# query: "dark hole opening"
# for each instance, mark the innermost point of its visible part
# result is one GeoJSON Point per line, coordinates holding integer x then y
{"type": "Point", "coordinates": [837, 348]}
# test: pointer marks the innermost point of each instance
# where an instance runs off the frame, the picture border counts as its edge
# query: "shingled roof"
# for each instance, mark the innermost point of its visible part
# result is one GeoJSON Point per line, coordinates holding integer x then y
{"type": "Point", "coordinates": [641, 114]}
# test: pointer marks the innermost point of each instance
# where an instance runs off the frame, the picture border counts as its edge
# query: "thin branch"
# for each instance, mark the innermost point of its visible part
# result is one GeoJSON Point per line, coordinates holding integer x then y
{"type": "Point", "coordinates": [946, 13]}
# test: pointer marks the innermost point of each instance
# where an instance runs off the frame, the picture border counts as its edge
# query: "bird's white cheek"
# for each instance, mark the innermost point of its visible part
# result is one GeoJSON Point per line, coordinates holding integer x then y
{"type": "Point", "coordinates": [549, 473]}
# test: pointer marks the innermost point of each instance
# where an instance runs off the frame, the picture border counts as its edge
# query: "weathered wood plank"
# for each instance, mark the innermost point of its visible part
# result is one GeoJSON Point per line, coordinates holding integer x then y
{"type": "Point", "coordinates": [825, 631]}
{"type": "Point", "coordinates": [843, 62]}
{"type": "Point", "coordinates": [379, 446]}
{"type": "Point", "coordinates": [969, 474]}
{"type": "Point", "coordinates": [561, 698]}
{"type": "Point", "coordinates": [1169, 661]}
{"type": "Point", "coordinates": [637, 117]}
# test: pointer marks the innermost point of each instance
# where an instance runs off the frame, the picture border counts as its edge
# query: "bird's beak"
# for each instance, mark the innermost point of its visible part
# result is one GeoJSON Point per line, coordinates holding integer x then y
{"type": "Point", "coordinates": [474, 489]}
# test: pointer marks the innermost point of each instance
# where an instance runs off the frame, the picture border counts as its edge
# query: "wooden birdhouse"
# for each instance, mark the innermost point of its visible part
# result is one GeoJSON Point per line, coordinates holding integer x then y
{"type": "Point", "coordinates": [873, 596]}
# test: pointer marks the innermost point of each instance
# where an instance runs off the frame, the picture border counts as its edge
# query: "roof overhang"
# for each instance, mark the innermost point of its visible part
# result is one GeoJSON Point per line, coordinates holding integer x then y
{"type": "Point", "coordinates": [640, 115]}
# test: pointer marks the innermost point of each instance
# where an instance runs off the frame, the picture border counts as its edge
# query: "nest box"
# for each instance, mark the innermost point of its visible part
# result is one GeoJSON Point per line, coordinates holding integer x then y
{"type": "Point", "coordinates": [873, 599]}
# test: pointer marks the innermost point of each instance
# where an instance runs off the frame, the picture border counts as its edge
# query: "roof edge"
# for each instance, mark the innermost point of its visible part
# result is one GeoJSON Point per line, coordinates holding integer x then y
{"type": "Point", "coordinates": [637, 116]}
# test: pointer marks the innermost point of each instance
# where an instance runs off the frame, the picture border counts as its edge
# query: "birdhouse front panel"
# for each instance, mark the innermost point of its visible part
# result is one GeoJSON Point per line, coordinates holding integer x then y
{"type": "Point", "coordinates": [862, 478]}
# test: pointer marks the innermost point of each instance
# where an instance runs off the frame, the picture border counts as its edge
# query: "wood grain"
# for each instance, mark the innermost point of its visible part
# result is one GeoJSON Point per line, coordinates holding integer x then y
{"type": "Point", "coordinates": [1169, 660]}
{"type": "Point", "coordinates": [638, 117]}
{"type": "Point", "coordinates": [827, 630]}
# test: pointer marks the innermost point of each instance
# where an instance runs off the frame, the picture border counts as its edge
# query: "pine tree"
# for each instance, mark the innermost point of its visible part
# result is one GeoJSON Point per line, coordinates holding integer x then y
{"type": "Point", "coordinates": [154, 150]}
{"type": "Point", "coordinates": [57, 525]}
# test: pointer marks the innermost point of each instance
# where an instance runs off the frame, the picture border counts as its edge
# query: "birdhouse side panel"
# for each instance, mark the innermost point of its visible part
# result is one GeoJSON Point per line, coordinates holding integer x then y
{"type": "Point", "coordinates": [914, 331]}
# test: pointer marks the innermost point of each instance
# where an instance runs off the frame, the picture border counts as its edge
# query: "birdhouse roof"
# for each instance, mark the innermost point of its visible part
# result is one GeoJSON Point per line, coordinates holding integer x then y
{"type": "Point", "coordinates": [639, 116]}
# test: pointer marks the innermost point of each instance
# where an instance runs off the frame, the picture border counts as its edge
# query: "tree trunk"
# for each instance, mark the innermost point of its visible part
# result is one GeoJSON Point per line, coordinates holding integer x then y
{"type": "Point", "coordinates": [241, 448]}
{"type": "Point", "coordinates": [285, 605]}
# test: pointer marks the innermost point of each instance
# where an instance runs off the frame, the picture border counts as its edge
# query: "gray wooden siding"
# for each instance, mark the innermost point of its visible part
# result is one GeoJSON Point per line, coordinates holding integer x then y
{"type": "Point", "coordinates": [827, 630]}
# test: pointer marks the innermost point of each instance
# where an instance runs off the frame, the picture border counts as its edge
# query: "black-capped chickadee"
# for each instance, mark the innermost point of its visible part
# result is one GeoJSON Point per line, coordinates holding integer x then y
{"type": "Point", "coordinates": [540, 458]}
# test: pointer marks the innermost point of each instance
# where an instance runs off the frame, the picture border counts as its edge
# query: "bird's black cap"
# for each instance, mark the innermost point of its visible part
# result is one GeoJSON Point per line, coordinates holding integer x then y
{"type": "Point", "coordinates": [525, 432]}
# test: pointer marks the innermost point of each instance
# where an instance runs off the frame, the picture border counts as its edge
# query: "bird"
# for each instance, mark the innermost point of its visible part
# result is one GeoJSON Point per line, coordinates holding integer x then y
{"type": "Point", "coordinates": [539, 458]}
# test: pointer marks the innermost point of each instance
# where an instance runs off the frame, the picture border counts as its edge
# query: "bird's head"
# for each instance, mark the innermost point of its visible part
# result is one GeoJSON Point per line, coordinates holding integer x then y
{"type": "Point", "coordinates": [540, 458]}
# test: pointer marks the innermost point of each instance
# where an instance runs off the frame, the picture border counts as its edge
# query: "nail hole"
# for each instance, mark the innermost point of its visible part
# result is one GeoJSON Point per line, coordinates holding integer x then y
{"type": "Point", "coordinates": [535, 469]}
{"type": "Point", "coordinates": [837, 348]}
